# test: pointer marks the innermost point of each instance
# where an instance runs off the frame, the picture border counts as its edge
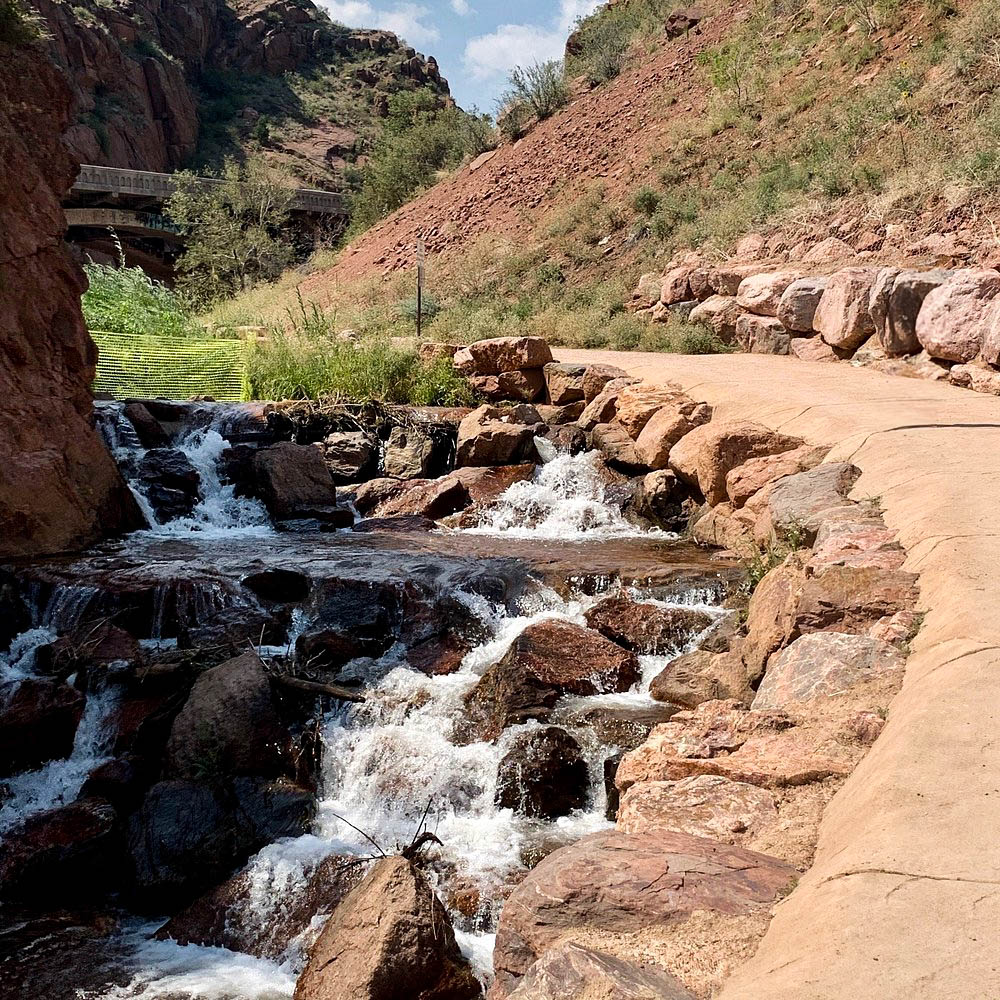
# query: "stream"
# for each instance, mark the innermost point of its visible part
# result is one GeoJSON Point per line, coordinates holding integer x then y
{"type": "Point", "coordinates": [547, 549]}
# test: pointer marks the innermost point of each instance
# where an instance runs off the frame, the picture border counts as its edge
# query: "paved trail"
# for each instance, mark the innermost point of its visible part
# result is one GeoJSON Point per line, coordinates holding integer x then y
{"type": "Point", "coordinates": [903, 900]}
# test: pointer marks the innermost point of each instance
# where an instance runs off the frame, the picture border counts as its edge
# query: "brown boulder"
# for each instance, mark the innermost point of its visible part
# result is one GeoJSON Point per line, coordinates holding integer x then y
{"type": "Point", "coordinates": [797, 307]}
{"type": "Point", "coordinates": [762, 335]}
{"type": "Point", "coordinates": [666, 426]}
{"type": "Point", "coordinates": [486, 483]}
{"type": "Point", "coordinates": [521, 386]}
{"type": "Point", "coordinates": [496, 436]}
{"type": "Point", "coordinates": [543, 774]}
{"type": "Point", "coordinates": [756, 473]}
{"type": "Point", "coordinates": [409, 453]}
{"type": "Point", "coordinates": [761, 293]}
{"type": "Point", "coordinates": [702, 676]}
{"type": "Point", "coordinates": [720, 313]}
{"type": "Point", "coordinates": [564, 383]}
{"type": "Point", "coordinates": [771, 614]}
{"type": "Point", "coordinates": [229, 724]}
{"type": "Point", "coordinates": [349, 455]}
{"type": "Point", "coordinates": [956, 316]}
{"type": "Point", "coordinates": [824, 665]}
{"type": "Point", "coordinates": [704, 806]}
{"type": "Point", "coordinates": [502, 354]}
{"type": "Point", "coordinates": [368, 497]}
{"type": "Point", "coordinates": [812, 349]}
{"type": "Point", "coordinates": [676, 286]}
{"type": "Point", "coordinates": [976, 377]}
{"type": "Point", "coordinates": [852, 599]}
{"type": "Point", "coordinates": [895, 304]}
{"type": "Point", "coordinates": [291, 477]}
{"type": "Point", "coordinates": [637, 403]}
{"type": "Point", "coordinates": [435, 499]}
{"type": "Point", "coordinates": [603, 883]}
{"type": "Point", "coordinates": [388, 939]}
{"type": "Point", "coordinates": [603, 408]}
{"type": "Point", "coordinates": [719, 447]}
{"type": "Point", "coordinates": [646, 629]}
{"type": "Point", "coordinates": [572, 972]}
{"type": "Point", "coordinates": [38, 720]}
{"type": "Point", "coordinates": [842, 317]}
{"type": "Point", "coordinates": [614, 442]}
{"type": "Point", "coordinates": [723, 526]}
{"type": "Point", "coordinates": [725, 280]}
{"type": "Point", "coordinates": [596, 377]}
{"type": "Point", "coordinates": [804, 502]}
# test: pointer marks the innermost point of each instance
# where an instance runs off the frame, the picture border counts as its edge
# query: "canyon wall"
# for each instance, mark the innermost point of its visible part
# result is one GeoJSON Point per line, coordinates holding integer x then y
{"type": "Point", "coordinates": [59, 488]}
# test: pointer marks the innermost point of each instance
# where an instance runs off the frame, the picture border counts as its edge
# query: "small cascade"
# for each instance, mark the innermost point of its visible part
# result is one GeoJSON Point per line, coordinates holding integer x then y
{"type": "Point", "coordinates": [565, 501]}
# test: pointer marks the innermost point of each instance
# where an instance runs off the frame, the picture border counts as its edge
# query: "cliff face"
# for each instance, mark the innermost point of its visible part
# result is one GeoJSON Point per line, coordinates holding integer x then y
{"type": "Point", "coordinates": [161, 84]}
{"type": "Point", "coordinates": [59, 488]}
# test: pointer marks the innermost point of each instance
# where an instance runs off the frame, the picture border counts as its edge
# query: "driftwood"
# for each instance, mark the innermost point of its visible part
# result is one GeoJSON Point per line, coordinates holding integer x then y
{"type": "Point", "coordinates": [317, 687]}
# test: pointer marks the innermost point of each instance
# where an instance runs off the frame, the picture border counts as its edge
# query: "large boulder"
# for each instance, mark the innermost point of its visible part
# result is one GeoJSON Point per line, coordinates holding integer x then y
{"type": "Point", "coordinates": [564, 383]}
{"type": "Point", "coordinates": [520, 386]}
{"type": "Point", "coordinates": [617, 447]}
{"type": "Point", "coordinates": [660, 499]}
{"type": "Point", "coordinates": [171, 483]}
{"type": "Point", "coordinates": [719, 313]}
{"type": "Point", "coordinates": [646, 629]}
{"type": "Point", "coordinates": [291, 477]}
{"type": "Point", "coordinates": [853, 598]}
{"type": "Point", "coordinates": [702, 676]}
{"type": "Point", "coordinates": [842, 317]}
{"type": "Point", "coordinates": [771, 614]}
{"type": "Point", "coordinates": [824, 665]}
{"type": "Point", "coordinates": [38, 720]}
{"type": "Point", "coordinates": [804, 502]}
{"type": "Point", "coordinates": [350, 455]}
{"type": "Point", "coordinates": [762, 335]}
{"type": "Point", "coordinates": [409, 453]}
{"type": "Point", "coordinates": [707, 805]}
{"type": "Point", "coordinates": [637, 403]}
{"type": "Point", "coordinates": [756, 473]}
{"type": "Point", "coordinates": [546, 660]}
{"type": "Point", "coordinates": [496, 436]}
{"type": "Point", "coordinates": [666, 426]}
{"type": "Point", "coordinates": [707, 455]}
{"type": "Point", "coordinates": [602, 882]}
{"type": "Point", "coordinates": [761, 293]}
{"type": "Point", "coordinates": [596, 377]}
{"type": "Point", "coordinates": [603, 408]}
{"type": "Point", "coordinates": [390, 938]}
{"type": "Point", "coordinates": [896, 300]}
{"type": "Point", "coordinates": [798, 304]}
{"type": "Point", "coordinates": [812, 349]}
{"type": "Point", "coordinates": [434, 499]}
{"type": "Point", "coordinates": [572, 972]}
{"type": "Point", "coordinates": [543, 774]}
{"type": "Point", "coordinates": [956, 316]}
{"type": "Point", "coordinates": [229, 725]}
{"type": "Point", "coordinates": [502, 354]}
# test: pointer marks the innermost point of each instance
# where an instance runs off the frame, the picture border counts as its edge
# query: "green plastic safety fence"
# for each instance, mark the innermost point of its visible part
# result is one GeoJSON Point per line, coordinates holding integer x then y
{"type": "Point", "coordinates": [146, 365]}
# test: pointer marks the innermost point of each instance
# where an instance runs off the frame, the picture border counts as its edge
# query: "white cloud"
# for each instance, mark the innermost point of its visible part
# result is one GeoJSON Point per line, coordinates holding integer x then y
{"type": "Point", "coordinates": [496, 54]}
{"type": "Point", "coordinates": [408, 20]}
{"type": "Point", "coordinates": [461, 7]}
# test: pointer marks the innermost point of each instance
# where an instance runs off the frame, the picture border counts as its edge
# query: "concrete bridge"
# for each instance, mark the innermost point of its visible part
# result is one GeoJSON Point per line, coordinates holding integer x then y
{"type": "Point", "coordinates": [131, 202]}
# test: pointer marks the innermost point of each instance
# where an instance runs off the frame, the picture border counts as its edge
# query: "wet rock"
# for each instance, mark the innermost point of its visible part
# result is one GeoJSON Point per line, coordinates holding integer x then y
{"type": "Point", "coordinates": [122, 782]}
{"type": "Point", "coordinates": [601, 883]}
{"type": "Point", "coordinates": [646, 629]}
{"type": "Point", "coordinates": [799, 300]}
{"type": "Point", "coordinates": [65, 855]}
{"type": "Point", "coordinates": [496, 436]}
{"type": "Point", "coordinates": [434, 499]}
{"type": "Point", "coordinates": [546, 660]}
{"type": "Point", "coordinates": [566, 439]}
{"type": "Point", "coordinates": [15, 616]}
{"type": "Point", "coordinates": [188, 835]}
{"type": "Point", "coordinates": [720, 737]}
{"type": "Point", "coordinates": [761, 293]}
{"type": "Point", "coordinates": [328, 650]}
{"type": "Point", "coordinates": [852, 599]}
{"type": "Point", "coordinates": [543, 775]}
{"type": "Point", "coordinates": [701, 676]}
{"type": "Point", "coordinates": [231, 631]}
{"type": "Point", "coordinates": [409, 453]}
{"type": "Point", "coordinates": [572, 972]}
{"type": "Point", "coordinates": [438, 656]}
{"type": "Point", "coordinates": [225, 916]}
{"type": "Point", "coordinates": [350, 456]}
{"type": "Point", "coordinates": [38, 720]}
{"type": "Point", "coordinates": [719, 313]}
{"type": "Point", "coordinates": [390, 930]}
{"type": "Point", "coordinates": [804, 502]}
{"type": "Point", "coordinates": [293, 476]}
{"type": "Point", "coordinates": [770, 623]}
{"type": "Point", "coordinates": [229, 725]}
{"type": "Point", "coordinates": [502, 354]}
{"type": "Point", "coordinates": [556, 416]}
{"type": "Point", "coordinates": [519, 386]}
{"type": "Point", "coordinates": [824, 665]}
{"type": "Point", "coordinates": [564, 383]}
{"type": "Point", "coordinates": [660, 499]}
{"type": "Point", "coordinates": [622, 726]}
{"type": "Point", "coordinates": [281, 586]}
{"type": "Point", "coordinates": [842, 317]}
{"type": "Point", "coordinates": [750, 477]}
{"type": "Point", "coordinates": [485, 484]}
{"type": "Point", "coordinates": [956, 316]}
{"type": "Point", "coordinates": [666, 427]}
{"type": "Point", "coordinates": [150, 431]}
{"type": "Point", "coordinates": [368, 497]}
{"type": "Point", "coordinates": [404, 524]}
{"type": "Point", "coordinates": [89, 648]}
{"type": "Point", "coordinates": [171, 483]}
{"type": "Point", "coordinates": [707, 455]}
{"type": "Point", "coordinates": [707, 805]}
{"type": "Point", "coordinates": [596, 377]}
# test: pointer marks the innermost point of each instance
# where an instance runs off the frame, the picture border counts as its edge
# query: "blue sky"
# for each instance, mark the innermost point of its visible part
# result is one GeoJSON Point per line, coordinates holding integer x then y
{"type": "Point", "coordinates": [476, 42]}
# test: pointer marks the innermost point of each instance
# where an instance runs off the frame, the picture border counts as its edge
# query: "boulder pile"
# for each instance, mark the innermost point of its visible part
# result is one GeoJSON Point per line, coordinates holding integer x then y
{"type": "Point", "coordinates": [922, 322]}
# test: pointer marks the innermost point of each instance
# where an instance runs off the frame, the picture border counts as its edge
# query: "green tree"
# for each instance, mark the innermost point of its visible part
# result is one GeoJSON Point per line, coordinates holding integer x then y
{"type": "Point", "coordinates": [236, 229]}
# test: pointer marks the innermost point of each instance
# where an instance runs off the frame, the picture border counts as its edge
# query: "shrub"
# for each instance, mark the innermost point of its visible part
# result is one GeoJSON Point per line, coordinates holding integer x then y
{"type": "Point", "coordinates": [646, 201]}
{"type": "Point", "coordinates": [126, 300]}
{"type": "Point", "coordinates": [17, 27]}
{"type": "Point", "coordinates": [540, 87]}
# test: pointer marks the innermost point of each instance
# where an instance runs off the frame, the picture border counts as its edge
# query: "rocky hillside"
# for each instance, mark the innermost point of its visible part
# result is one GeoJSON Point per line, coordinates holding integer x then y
{"type": "Point", "coordinates": [160, 85]}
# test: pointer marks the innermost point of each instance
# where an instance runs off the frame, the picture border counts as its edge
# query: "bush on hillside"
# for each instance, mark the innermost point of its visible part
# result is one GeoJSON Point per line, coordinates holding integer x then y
{"type": "Point", "coordinates": [601, 42]}
{"type": "Point", "coordinates": [541, 88]}
{"type": "Point", "coordinates": [126, 300]}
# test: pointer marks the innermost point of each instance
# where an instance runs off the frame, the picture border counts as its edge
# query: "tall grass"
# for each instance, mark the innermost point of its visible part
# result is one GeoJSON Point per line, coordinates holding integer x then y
{"type": "Point", "coordinates": [126, 300]}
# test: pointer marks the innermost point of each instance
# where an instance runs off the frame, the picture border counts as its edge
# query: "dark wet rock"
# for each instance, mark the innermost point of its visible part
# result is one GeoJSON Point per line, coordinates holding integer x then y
{"type": "Point", "coordinates": [38, 720]}
{"type": "Point", "coordinates": [390, 930]}
{"type": "Point", "coordinates": [150, 431]}
{"type": "Point", "coordinates": [328, 650]}
{"type": "Point", "coordinates": [223, 918]}
{"type": "Point", "coordinates": [567, 439]}
{"type": "Point", "coordinates": [282, 586]}
{"type": "Point", "coordinates": [660, 499]}
{"type": "Point", "coordinates": [439, 655]}
{"type": "Point", "coordinates": [402, 523]}
{"type": "Point", "coordinates": [611, 788]}
{"type": "Point", "coordinates": [233, 631]}
{"type": "Point", "coordinates": [291, 477]}
{"type": "Point", "coordinates": [310, 520]}
{"type": "Point", "coordinates": [236, 467]}
{"type": "Point", "coordinates": [543, 774]}
{"type": "Point", "coordinates": [122, 782]}
{"type": "Point", "coordinates": [622, 726]}
{"type": "Point", "coordinates": [89, 648]}
{"type": "Point", "coordinates": [350, 456]}
{"type": "Point", "coordinates": [171, 483]}
{"type": "Point", "coordinates": [188, 835]}
{"type": "Point", "coordinates": [15, 616]}
{"type": "Point", "coordinates": [646, 628]}
{"type": "Point", "coordinates": [63, 855]}
{"type": "Point", "coordinates": [229, 725]}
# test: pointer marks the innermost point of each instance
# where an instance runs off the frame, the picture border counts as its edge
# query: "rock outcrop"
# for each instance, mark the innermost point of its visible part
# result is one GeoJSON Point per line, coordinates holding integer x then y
{"type": "Point", "coordinates": [59, 489]}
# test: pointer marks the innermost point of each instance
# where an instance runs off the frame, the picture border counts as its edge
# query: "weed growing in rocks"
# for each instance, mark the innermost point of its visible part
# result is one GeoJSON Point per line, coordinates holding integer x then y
{"type": "Point", "coordinates": [760, 562]}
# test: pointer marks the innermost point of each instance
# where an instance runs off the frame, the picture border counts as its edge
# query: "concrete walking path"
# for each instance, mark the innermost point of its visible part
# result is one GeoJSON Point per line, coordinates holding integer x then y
{"type": "Point", "coordinates": [903, 900]}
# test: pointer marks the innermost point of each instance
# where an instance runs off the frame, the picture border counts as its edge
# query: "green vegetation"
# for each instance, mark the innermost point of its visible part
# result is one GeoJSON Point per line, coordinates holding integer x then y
{"type": "Point", "coordinates": [759, 563]}
{"type": "Point", "coordinates": [419, 139]}
{"type": "Point", "coordinates": [539, 90]}
{"type": "Point", "coordinates": [17, 26]}
{"type": "Point", "coordinates": [126, 300]}
{"type": "Point", "coordinates": [236, 231]}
